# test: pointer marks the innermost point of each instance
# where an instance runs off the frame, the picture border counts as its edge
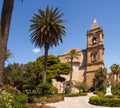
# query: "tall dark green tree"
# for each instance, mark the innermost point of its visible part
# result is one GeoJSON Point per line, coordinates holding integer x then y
{"type": "Point", "coordinates": [72, 54]}
{"type": "Point", "coordinates": [47, 31]}
{"type": "Point", "coordinates": [54, 67]}
{"type": "Point", "coordinates": [14, 75]}
{"type": "Point", "coordinates": [99, 81]}
{"type": "Point", "coordinates": [31, 75]}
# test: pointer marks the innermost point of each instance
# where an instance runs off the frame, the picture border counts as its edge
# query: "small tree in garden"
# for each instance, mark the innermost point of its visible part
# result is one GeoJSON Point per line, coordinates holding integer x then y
{"type": "Point", "coordinates": [99, 81]}
{"type": "Point", "coordinates": [46, 88]}
{"type": "Point", "coordinates": [82, 86]}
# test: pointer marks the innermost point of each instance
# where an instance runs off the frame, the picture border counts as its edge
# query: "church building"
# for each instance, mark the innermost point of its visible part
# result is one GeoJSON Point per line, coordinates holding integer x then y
{"type": "Point", "coordinates": [89, 61]}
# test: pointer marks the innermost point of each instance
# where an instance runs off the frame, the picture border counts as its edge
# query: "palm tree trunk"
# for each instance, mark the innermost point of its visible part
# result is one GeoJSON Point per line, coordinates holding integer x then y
{"type": "Point", "coordinates": [45, 63]}
{"type": "Point", "coordinates": [4, 32]}
{"type": "Point", "coordinates": [70, 89]}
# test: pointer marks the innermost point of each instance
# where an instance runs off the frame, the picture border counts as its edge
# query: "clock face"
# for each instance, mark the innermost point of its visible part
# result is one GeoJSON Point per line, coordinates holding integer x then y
{"type": "Point", "coordinates": [94, 40]}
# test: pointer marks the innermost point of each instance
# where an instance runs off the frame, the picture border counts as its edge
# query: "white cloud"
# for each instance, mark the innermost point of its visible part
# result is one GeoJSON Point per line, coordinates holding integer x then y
{"type": "Point", "coordinates": [36, 50]}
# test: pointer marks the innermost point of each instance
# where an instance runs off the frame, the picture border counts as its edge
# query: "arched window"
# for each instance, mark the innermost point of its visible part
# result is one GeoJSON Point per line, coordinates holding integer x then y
{"type": "Point", "coordinates": [93, 57]}
{"type": "Point", "coordinates": [94, 40]}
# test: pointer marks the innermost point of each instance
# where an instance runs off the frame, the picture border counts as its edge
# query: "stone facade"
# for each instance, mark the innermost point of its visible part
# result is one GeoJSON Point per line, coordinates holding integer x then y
{"type": "Point", "coordinates": [89, 61]}
{"type": "Point", "coordinates": [94, 51]}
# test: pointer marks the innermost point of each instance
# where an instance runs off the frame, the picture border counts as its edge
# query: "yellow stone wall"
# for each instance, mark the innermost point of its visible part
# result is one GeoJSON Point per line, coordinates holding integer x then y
{"type": "Point", "coordinates": [98, 49]}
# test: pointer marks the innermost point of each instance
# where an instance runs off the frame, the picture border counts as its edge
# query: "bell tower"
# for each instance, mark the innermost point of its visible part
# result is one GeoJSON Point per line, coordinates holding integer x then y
{"type": "Point", "coordinates": [94, 51]}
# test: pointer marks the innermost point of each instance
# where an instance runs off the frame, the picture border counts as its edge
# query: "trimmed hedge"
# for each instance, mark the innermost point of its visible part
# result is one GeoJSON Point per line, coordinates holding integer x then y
{"type": "Point", "coordinates": [75, 95]}
{"type": "Point", "coordinates": [104, 101]}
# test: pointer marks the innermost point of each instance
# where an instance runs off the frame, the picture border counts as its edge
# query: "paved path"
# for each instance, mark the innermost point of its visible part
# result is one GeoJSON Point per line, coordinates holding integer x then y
{"type": "Point", "coordinates": [76, 102]}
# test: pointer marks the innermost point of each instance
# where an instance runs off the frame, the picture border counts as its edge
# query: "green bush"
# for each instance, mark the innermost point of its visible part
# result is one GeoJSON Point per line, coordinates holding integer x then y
{"type": "Point", "coordinates": [11, 98]}
{"type": "Point", "coordinates": [74, 95]}
{"type": "Point", "coordinates": [5, 99]}
{"type": "Point", "coordinates": [67, 90]}
{"type": "Point", "coordinates": [100, 93]}
{"type": "Point", "coordinates": [82, 86]}
{"type": "Point", "coordinates": [115, 88]}
{"type": "Point", "coordinates": [46, 89]}
{"type": "Point", "coordinates": [109, 96]}
{"type": "Point", "coordinates": [19, 100]}
{"type": "Point", "coordinates": [116, 92]}
{"type": "Point", "coordinates": [104, 101]}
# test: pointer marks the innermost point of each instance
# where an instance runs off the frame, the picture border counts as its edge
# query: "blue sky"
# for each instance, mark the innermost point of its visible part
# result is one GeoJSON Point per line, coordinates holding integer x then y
{"type": "Point", "coordinates": [79, 15]}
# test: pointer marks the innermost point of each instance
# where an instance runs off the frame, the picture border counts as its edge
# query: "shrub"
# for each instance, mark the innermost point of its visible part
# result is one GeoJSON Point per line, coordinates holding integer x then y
{"type": "Point", "coordinates": [46, 88]}
{"type": "Point", "coordinates": [100, 94]}
{"type": "Point", "coordinates": [74, 95]}
{"type": "Point", "coordinates": [11, 98]}
{"type": "Point", "coordinates": [81, 86]}
{"type": "Point", "coordinates": [5, 99]}
{"type": "Point", "coordinates": [67, 90]}
{"type": "Point", "coordinates": [104, 101]}
{"type": "Point", "coordinates": [109, 96]}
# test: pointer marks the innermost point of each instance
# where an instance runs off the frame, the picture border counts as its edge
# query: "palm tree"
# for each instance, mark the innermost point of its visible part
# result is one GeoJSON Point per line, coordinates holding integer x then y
{"type": "Point", "coordinates": [5, 21]}
{"type": "Point", "coordinates": [47, 31]}
{"type": "Point", "coordinates": [8, 55]}
{"type": "Point", "coordinates": [115, 68]}
{"type": "Point", "coordinates": [72, 54]}
{"type": "Point", "coordinates": [4, 33]}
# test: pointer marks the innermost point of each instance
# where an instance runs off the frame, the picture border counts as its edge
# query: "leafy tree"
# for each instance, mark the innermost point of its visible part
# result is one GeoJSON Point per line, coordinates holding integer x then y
{"type": "Point", "coordinates": [72, 54]}
{"type": "Point", "coordinates": [55, 67]}
{"type": "Point", "coordinates": [81, 86]}
{"type": "Point", "coordinates": [25, 76]}
{"type": "Point", "coordinates": [115, 68]}
{"type": "Point", "coordinates": [99, 81]}
{"type": "Point", "coordinates": [31, 75]}
{"type": "Point", "coordinates": [45, 88]}
{"type": "Point", "coordinates": [57, 70]}
{"type": "Point", "coordinates": [47, 31]}
{"type": "Point", "coordinates": [14, 75]}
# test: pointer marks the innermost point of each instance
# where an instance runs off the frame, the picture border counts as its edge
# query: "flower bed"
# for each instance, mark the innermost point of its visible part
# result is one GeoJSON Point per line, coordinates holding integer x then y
{"type": "Point", "coordinates": [48, 99]}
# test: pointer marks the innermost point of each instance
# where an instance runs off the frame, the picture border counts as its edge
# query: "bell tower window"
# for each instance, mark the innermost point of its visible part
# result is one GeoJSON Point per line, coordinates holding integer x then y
{"type": "Point", "coordinates": [94, 40]}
